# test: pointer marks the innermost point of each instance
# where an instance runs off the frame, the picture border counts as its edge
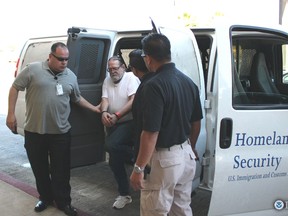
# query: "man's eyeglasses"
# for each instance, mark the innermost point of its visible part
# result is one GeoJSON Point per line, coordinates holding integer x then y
{"type": "Point", "coordinates": [113, 69]}
{"type": "Point", "coordinates": [60, 58]}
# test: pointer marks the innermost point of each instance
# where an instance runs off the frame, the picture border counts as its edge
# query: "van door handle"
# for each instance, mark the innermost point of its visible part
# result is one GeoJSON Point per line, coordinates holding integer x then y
{"type": "Point", "coordinates": [226, 133]}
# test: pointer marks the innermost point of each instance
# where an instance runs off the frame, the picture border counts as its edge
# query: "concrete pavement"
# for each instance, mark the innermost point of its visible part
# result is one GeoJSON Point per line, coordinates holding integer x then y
{"type": "Point", "coordinates": [16, 202]}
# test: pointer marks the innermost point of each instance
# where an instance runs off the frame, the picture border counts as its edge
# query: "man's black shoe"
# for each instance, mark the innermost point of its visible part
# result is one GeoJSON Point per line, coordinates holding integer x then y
{"type": "Point", "coordinates": [69, 210]}
{"type": "Point", "coordinates": [40, 206]}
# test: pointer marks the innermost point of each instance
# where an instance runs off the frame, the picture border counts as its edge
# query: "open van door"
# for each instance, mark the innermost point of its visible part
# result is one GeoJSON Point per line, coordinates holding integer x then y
{"type": "Point", "coordinates": [88, 60]}
{"type": "Point", "coordinates": [249, 100]}
{"type": "Point", "coordinates": [186, 56]}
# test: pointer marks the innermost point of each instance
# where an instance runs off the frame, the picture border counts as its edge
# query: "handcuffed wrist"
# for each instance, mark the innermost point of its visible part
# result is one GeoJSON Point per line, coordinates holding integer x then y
{"type": "Point", "coordinates": [117, 114]}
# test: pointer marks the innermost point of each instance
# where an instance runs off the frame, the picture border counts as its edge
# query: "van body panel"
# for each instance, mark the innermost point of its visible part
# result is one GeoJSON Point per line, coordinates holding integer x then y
{"type": "Point", "coordinates": [251, 154]}
{"type": "Point", "coordinates": [208, 51]}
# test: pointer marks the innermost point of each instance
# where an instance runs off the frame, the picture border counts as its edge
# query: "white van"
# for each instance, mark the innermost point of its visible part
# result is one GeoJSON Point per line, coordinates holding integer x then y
{"type": "Point", "coordinates": [241, 74]}
{"type": "Point", "coordinates": [245, 163]}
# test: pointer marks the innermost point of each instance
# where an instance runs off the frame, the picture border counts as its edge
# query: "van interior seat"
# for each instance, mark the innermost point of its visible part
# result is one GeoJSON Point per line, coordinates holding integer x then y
{"type": "Point", "coordinates": [239, 93]}
{"type": "Point", "coordinates": [261, 80]}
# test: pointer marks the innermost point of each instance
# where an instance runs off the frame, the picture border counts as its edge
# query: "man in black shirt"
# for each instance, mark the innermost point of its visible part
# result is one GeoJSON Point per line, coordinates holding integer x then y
{"type": "Point", "coordinates": [138, 67]}
{"type": "Point", "coordinates": [171, 114]}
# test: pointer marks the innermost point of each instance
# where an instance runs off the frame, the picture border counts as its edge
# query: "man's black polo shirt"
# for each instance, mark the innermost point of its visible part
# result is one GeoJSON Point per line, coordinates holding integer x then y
{"type": "Point", "coordinates": [170, 103]}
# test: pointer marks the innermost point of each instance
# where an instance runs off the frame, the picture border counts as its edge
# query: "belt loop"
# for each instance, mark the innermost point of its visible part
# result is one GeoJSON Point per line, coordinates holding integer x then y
{"type": "Point", "coordinates": [181, 146]}
{"type": "Point", "coordinates": [169, 149]}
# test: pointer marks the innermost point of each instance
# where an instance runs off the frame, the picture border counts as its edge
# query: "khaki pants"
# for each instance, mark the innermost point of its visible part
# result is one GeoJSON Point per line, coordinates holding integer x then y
{"type": "Point", "coordinates": [167, 189]}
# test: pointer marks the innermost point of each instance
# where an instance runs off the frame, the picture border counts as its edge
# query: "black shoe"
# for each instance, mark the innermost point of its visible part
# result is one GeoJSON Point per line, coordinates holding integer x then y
{"type": "Point", "coordinates": [40, 206]}
{"type": "Point", "coordinates": [69, 210]}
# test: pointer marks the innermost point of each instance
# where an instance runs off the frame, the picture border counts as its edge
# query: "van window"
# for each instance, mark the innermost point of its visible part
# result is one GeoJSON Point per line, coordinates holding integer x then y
{"type": "Point", "coordinates": [125, 45]}
{"type": "Point", "coordinates": [90, 60]}
{"type": "Point", "coordinates": [37, 51]}
{"type": "Point", "coordinates": [204, 44]}
{"type": "Point", "coordinates": [259, 72]}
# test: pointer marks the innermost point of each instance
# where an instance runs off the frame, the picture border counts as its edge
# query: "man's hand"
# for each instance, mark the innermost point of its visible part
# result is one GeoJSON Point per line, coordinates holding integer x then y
{"type": "Point", "coordinates": [97, 108]}
{"type": "Point", "coordinates": [108, 119]}
{"type": "Point", "coordinates": [136, 180]}
{"type": "Point", "coordinates": [196, 154]}
{"type": "Point", "coordinates": [11, 123]}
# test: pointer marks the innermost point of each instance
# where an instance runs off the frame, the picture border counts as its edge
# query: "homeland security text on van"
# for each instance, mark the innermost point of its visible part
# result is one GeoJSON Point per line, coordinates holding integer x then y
{"type": "Point", "coordinates": [243, 140]}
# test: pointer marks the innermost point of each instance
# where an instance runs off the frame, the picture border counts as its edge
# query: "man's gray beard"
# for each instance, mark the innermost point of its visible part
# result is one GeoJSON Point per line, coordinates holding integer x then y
{"type": "Point", "coordinates": [115, 79]}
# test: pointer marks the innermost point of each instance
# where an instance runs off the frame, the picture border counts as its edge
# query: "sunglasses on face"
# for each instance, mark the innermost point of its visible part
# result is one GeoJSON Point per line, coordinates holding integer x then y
{"type": "Point", "coordinates": [60, 58]}
{"type": "Point", "coordinates": [143, 54]}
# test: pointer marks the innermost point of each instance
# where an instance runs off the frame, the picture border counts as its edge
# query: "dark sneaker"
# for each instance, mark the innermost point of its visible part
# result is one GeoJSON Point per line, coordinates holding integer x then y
{"type": "Point", "coordinates": [69, 210]}
{"type": "Point", "coordinates": [40, 206]}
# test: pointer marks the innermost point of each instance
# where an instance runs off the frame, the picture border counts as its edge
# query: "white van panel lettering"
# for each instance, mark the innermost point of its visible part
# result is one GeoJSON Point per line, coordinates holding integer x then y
{"type": "Point", "coordinates": [269, 161]}
{"type": "Point", "coordinates": [282, 174]}
{"type": "Point", "coordinates": [249, 177]}
{"type": "Point", "coordinates": [242, 139]}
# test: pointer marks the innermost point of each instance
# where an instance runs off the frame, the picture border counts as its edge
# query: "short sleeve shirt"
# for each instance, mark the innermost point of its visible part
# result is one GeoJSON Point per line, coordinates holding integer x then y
{"type": "Point", "coordinates": [118, 94]}
{"type": "Point", "coordinates": [46, 111]}
{"type": "Point", "coordinates": [171, 102]}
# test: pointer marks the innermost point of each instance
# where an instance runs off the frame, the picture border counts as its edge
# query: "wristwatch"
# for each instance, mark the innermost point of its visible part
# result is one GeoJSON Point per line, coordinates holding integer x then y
{"type": "Point", "coordinates": [138, 169]}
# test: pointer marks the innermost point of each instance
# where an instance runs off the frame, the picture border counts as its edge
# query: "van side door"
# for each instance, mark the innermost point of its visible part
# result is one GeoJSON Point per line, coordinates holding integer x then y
{"type": "Point", "coordinates": [249, 99]}
{"type": "Point", "coordinates": [88, 60]}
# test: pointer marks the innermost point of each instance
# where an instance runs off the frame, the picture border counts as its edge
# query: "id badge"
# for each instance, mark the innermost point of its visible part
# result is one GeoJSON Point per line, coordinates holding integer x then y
{"type": "Point", "coordinates": [59, 89]}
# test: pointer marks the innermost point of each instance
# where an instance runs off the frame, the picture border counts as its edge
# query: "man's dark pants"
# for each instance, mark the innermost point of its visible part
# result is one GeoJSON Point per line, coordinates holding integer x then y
{"type": "Point", "coordinates": [119, 144]}
{"type": "Point", "coordinates": [49, 156]}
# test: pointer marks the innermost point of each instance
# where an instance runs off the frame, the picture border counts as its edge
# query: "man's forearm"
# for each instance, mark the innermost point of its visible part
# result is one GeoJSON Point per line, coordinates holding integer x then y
{"type": "Point", "coordinates": [104, 104]}
{"type": "Point", "coordinates": [195, 131]}
{"type": "Point", "coordinates": [127, 107]}
{"type": "Point", "coordinates": [87, 105]}
{"type": "Point", "coordinates": [13, 95]}
{"type": "Point", "coordinates": [147, 145]}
